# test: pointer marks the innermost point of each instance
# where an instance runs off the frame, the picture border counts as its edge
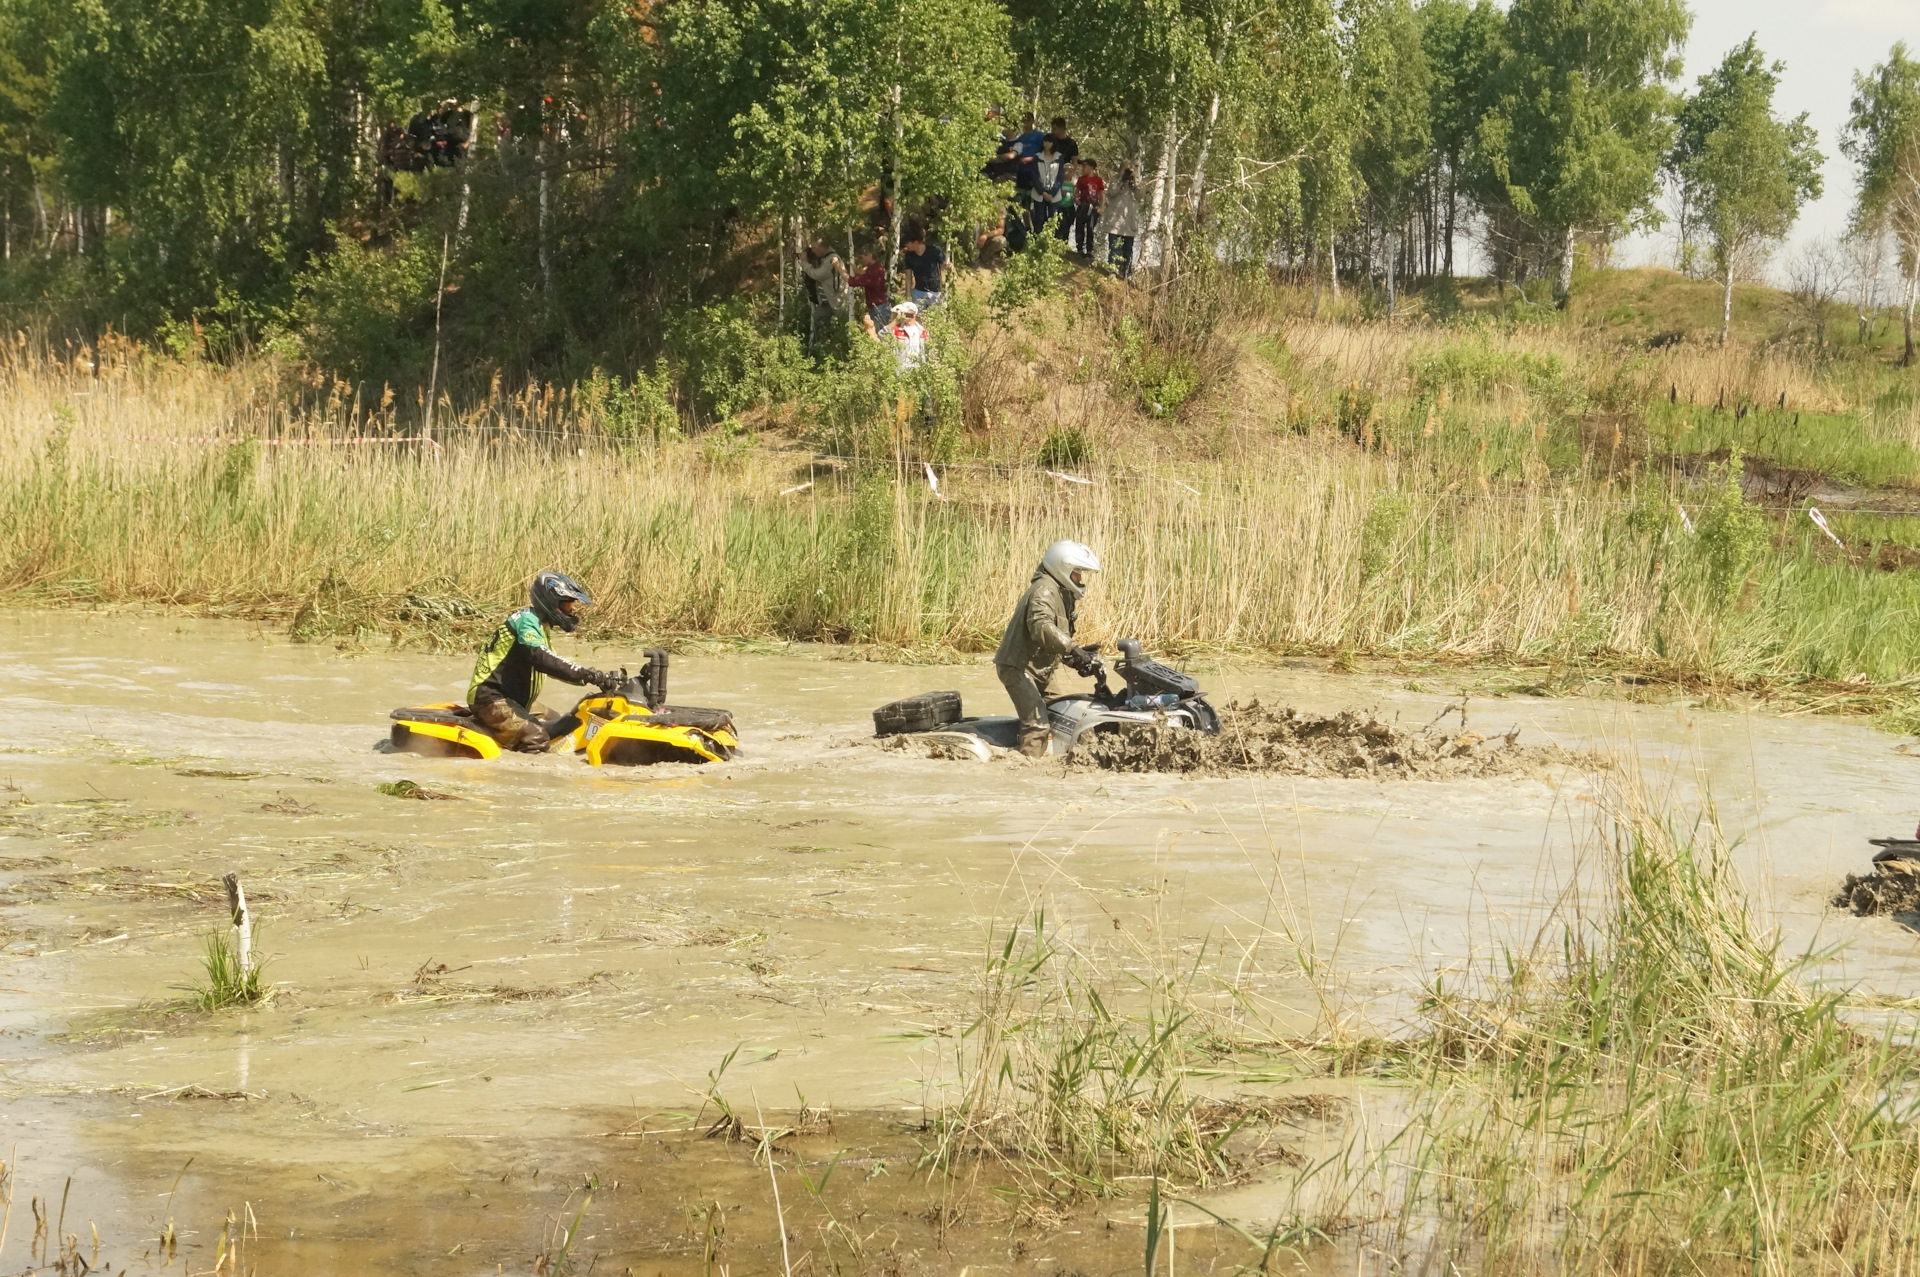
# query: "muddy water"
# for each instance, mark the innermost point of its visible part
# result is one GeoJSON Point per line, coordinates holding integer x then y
{"type": "Point", "coordinates": [522, 977]}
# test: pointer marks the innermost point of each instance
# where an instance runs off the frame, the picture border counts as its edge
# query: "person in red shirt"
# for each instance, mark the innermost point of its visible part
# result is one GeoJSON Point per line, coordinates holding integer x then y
{"type": "Point", "coordinates": [1089, 192]}
{"type": "Point", "coordinates": [872, 281]}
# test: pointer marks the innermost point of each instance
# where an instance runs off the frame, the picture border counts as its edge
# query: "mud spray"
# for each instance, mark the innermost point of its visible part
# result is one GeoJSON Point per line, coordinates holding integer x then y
{"type": "Point", "coordinates": [1351, 743]}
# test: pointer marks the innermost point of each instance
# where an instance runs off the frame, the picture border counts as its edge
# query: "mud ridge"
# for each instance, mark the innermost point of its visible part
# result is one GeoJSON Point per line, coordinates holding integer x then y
{"type": "Point", "coordinates": [1352, 743]}
{"type": "Point", "coordinates": [1892, 887]}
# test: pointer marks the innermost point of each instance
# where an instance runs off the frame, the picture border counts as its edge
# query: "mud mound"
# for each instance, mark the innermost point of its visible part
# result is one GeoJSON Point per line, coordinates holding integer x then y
{"type": "Point", "coordinates": [1892, 887]}
{"type": "Point", "coordinates": [1254, 738]}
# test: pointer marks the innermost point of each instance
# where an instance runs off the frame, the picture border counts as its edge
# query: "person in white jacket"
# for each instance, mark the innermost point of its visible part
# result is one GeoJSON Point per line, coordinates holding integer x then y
{"type": "Point", "coordinates": [1120, 220]}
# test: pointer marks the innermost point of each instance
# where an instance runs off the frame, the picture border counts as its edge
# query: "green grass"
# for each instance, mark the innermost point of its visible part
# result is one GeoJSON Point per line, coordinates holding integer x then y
{"type": "Point", "coordinates": [1838, 445]}
{"type": "Point", "coordinates": [1654, 1085]}
{"type": "Point", "coordinates": [224, 983]}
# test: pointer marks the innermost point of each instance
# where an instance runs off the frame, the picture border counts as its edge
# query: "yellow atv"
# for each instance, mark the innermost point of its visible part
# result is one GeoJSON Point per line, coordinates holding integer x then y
{"type": "Point", "coordinates": [630, 726]}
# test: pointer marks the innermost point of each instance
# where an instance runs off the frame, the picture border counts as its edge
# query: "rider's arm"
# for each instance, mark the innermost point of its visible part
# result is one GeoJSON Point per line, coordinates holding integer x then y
{"type": "Point", "coordinates": [528, 633]}
{"type": "Point", "coordinates": [554, 665]}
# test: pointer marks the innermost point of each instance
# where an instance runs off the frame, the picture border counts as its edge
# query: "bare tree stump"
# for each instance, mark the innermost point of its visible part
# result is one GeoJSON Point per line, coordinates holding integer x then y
{"type": "Point", "coordinates": [242, 921]}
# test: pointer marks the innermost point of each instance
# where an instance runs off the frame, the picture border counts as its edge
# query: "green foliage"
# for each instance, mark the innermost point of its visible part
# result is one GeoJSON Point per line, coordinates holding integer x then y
{"type": "Point", "coordinates": [640, 411]}
{"type": "Point", "coordinates": [1162, 378]}
{"type": "Point", "coordinates": [1477, 369]}
{"type": "Point", "coordinates": [1064, 448]}
{"type": "Point", "coordinates": [726, 364]}
{"type": "Point", "coordinates": [1578, 118]}
{"type": "Point", "coordinates": [201, 119]}
{"type": "Point", "coordinates": [1029, 276]}
{"type": "Point", "coordinates": [1355, 411]}
{"type": "Point", "coordinates": [224, 983]}
{"type": "Point", "coordinates": [1743, 174]}
{"type": "Point", "coordinates": [1381, 532]}
{"type": "Point", "coordinates": [370, 310]}
{"type": "Point", "coordinates": [799, 107]}
{"type": "Point", "coordinates": [237, 466]}
{"type": "Point", "coordinates": [1729, 535]}
{"type": "Point", "coordinates": [1882, 124]}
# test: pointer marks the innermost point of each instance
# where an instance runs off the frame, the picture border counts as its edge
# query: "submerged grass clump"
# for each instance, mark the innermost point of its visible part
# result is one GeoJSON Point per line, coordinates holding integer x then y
{"type": "Point", "coordinates": [1650, 1084]}
{"type": "Point", "coordinates": [1075, 1081]}
{"type": "Point", "coordinates": [227, 982]}
{"type": "Point", "coordinates": [1657, 1086]}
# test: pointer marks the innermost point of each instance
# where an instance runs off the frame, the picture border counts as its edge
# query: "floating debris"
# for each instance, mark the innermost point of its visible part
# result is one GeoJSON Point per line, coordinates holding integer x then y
{"type": "Point", "coordinates": [409, 789]}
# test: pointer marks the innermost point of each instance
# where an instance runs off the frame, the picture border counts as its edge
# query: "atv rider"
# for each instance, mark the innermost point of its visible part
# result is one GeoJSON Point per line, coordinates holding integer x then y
{"type": "Point", "coordinates": [1039, 639]}
{"type": "Point", "coordinates": [507, 677]}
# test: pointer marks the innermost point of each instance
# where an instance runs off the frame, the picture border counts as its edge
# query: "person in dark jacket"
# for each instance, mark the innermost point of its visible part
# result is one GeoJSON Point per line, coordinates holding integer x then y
{"type": "Point", "coordinates": [1039, 638]}
{"type": "Point", "coordinates": [505, 689]}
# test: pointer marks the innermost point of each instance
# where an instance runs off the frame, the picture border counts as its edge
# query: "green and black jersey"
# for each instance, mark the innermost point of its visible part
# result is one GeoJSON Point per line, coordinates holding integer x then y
{"type": "Point", "coordinates": [516, 658]}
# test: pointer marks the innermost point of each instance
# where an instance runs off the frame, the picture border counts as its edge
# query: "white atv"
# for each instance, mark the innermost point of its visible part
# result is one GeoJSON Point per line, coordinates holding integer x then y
{"type": "Point", "coordinates": [1154, 694]}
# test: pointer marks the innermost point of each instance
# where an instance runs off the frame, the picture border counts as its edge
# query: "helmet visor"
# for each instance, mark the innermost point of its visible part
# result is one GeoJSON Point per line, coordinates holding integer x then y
{"type": "Point", "coordinates": [570, 606]}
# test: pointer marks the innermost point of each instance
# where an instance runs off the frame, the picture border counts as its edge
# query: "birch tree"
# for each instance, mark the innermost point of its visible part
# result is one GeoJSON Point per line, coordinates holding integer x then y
{"type": "Point", "coordinates": [1581, 116]}
{"type": "Point", "coordinates": [1744, 172]}
{"type": "Point", "coordinates": [1882, 138]}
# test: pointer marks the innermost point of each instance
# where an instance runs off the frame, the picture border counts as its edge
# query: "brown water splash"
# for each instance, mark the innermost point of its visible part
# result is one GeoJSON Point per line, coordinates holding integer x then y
{"type": "Point", "coordinates": [1351, 743]}
{"type": "Point", "coordinates": [1892, 887]}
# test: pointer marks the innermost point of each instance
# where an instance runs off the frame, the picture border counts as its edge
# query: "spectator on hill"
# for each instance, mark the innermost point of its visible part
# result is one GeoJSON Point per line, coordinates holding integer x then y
{"type": "Point", "coordinates": [1027, 141]}
{"type": "Point", "coordinates": [1088, 192]}
{"type": "Point", "coordinates": [1049, 183]}
{"type": "Point", "coordinates": [1120, 221]}
{"type": "Point", "coordinates": [1065, 147]}
{"type": "Point", "coordinates": [871, 280]}
{"type": "Point", "coordinates": [825, 279]}
{"type": "Point", "coordinates": [1005, 164]}
{"type": "Point", "coordinates": [925, 259]}
{"type": "Point", "coordinates": [452, 132]}
{"type": "Point", "coordinates": [420, 137]}
{"type": "Point", "coordinates": [909, 338]}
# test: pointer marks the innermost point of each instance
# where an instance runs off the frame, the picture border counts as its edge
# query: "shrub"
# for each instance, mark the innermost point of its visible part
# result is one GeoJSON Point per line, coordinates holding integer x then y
{"type": "Point", "coordinates": [368, 312]}
{"type": "Point", "coordinates": [642, 410]}
{"type": "Point", "coordinates": [1476, 369]}
{"type": "Point", "coordinates": [1730, 535]}
{"type": "Point", "coordinates": [1380, 533]}
{"type": "Point", "coordinates": [1064, 448]}
{"type": "Point", "coordinates": [1163, 379]}
{"type": "Point", "coordinates": [726, 366]}
{"type": "Point", "coordinates": [1030, 275]}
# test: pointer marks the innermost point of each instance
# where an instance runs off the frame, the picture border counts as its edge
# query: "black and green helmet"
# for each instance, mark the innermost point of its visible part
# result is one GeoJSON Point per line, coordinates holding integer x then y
{"type": "Point", "coordinates": [557, 599]}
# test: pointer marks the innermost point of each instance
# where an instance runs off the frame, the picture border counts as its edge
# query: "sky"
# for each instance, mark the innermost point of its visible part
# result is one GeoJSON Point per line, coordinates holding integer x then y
{"type": "Point", "coordinates": [1823, 43]}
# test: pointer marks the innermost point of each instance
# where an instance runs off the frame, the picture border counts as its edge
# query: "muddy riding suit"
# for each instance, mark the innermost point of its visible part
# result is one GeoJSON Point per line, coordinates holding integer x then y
{"type": "Point", "coordinates": [507, 678]}
{"type": "Point", "coordinates": [1038, 636]}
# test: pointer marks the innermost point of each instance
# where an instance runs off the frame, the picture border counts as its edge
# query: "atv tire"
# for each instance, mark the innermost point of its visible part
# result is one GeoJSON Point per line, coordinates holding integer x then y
{"type": "Point", "coordinates": [923, 713]}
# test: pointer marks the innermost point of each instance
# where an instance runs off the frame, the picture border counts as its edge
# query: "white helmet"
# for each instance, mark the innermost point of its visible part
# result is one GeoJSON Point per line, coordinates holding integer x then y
{"type": "Point", "coordinates": [1063, 559]}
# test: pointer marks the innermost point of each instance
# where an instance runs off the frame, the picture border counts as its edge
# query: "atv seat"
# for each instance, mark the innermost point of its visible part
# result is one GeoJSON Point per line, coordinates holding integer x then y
{"type": "Point", "coordinates": [707, 720]}
{"type": "Point", "coordinates": [1148, 677]}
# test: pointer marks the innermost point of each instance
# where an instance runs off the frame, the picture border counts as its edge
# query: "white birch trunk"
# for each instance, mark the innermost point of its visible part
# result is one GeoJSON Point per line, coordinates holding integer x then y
{"type": "Point", "coordinates": [1166, 180]}
{"type": "Point", "coordinates": [1726, 300]}
{"type": "Point", "coordinates": [1564, 287]}
{"type": "Point", "coordinates": [546, 265]}
{"type": "Point", "coordinates": [1200, 163]}
{"type": "Point", "coordinates": [242, 921]}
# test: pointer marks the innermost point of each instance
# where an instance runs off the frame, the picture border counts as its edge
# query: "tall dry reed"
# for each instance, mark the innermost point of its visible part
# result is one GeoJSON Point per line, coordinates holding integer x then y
{"type": "Point", "coordinates": [1311, 541]}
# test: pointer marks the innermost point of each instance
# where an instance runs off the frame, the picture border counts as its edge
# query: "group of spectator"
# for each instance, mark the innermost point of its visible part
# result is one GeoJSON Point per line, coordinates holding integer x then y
{"type": "Point", "coordinates": [1055, 186]}
{"type": "Point", "coordinates": [432, 139]}
{"type": "Point", "coordinates": [439, 138]}
{"type": "Point", "coordinates": [1055, 190]}
{"type": "Point", "coordinates": [832, 291]}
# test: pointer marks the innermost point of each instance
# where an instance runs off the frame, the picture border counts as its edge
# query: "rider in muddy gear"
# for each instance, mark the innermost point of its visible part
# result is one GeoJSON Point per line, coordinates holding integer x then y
{"type": "Point", "coordinates": [1039, 639]}
{"type": "Point", "coordinates": [507, 677]}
